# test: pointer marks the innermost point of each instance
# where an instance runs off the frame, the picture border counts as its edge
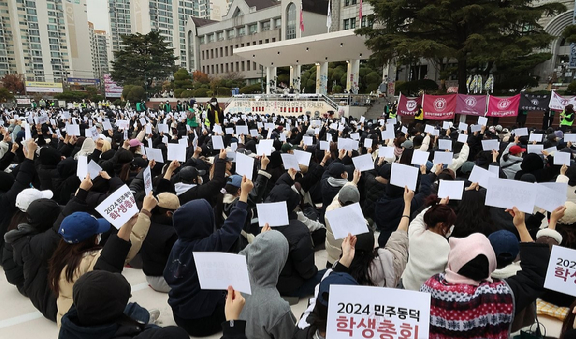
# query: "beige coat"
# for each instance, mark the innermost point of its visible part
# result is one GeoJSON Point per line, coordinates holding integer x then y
{"type": "Point", "coordinates": [137, 236]}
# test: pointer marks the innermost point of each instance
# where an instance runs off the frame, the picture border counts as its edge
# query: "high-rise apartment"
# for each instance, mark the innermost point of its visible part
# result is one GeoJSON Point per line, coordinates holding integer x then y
{"type": "Point", "coordinates": [99, 48]}
{"type": "Point", "coordinates": [119, 16]}
{"type": "Point", "coordinates": [45, 39]}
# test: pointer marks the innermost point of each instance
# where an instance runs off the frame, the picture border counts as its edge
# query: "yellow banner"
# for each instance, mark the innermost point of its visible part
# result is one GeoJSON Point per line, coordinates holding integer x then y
{"type": "Point", "coordinates": [43, 84]}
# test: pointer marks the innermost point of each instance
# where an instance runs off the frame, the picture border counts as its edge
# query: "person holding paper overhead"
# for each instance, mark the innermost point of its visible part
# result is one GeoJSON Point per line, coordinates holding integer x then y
{"type": "Point", "coordinates": [79, 251]}
{"type": "Point", "coordinates": [215, 113]}
{"type": "Point", "coordinates": [511, 160]}
{"type": "Point", "coordinates": [300, 274]}
{"type": "Point", "coordinates": [333, 179]}
{"type": "Point", "coordinates": [428, 247]}
{"type": "Point", "coordinates": [471, 261]}
{"type": "Point", "coordinates": [200, 312]}
{"type": "Point", "coordinates": [267, 315]}
{"type": "Point", "coordinates": [568, 175]}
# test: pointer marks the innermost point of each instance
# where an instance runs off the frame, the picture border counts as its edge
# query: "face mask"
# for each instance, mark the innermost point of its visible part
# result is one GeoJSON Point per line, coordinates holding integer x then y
{"type": "Point", "coordinates": [199, 180]}
{"type": "Point", "coordinates": [449, 232]}
{"type": "Point", "coordinates": [213, 103]}
{"type": "Point", "coordinates": [98, 239]}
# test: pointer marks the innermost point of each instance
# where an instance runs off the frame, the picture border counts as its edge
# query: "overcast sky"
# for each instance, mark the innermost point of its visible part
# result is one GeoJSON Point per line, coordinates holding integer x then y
{"type": "Point", "coordinates": [98, 14]}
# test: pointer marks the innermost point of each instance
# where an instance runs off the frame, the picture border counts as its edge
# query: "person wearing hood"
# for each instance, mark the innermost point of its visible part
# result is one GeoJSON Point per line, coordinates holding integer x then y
{"type": "Point", "coordinates": [31, 245]}
{"type": "Point", "coordinates": [159, 241]}
{"type": "Point", "coordinates": [468, 279]}
{"type": "Point", "coordinates": [99, 302]}
{"type": "Point", "coordinates": [87, 148]}
{"type": "Point", "coordinates": [388, 209]}
{"type": "Point", "coordinates": [10, 188]}
{"type": "Point", "coordinates": [46, 167]}
{"type": "Point", "coordinates": [333, 179]}
{"type": "Point", "coordinates": [300, 274]}
{"type": "Point", "coordinates": [534, 164]}
{"type": "Point", "coordinates": [511, 160]}
{"type": "Point", "coordinates": [267, 315]}
{"type": "Point", "coordinates": [200, 312]}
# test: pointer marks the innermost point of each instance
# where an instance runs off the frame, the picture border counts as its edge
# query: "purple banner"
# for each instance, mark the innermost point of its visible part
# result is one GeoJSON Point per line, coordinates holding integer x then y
{"type": "Point", "coordinates": [471, 104]}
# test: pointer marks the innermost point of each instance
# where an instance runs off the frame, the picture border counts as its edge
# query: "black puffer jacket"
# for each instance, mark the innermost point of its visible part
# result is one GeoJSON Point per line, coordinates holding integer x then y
{"type": "Point", "coordinates": [300, 265]}
{"type": "Point", "coordinates": [156, 247]}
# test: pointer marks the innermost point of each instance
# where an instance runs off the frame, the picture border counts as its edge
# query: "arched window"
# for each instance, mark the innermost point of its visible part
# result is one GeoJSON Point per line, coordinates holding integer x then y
{"type": "Point", "coordinates": [291, 21]}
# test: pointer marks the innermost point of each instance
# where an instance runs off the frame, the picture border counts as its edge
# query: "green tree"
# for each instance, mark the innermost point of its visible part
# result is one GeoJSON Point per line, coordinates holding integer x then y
{"type": "Point", "coordinates": [473, 33]}
{"type": "Point", "coordinates": [182, 82]}
{"type": "Point", "coordinates": [570, 33]}
{"type": "Point", "coordinates": [133, 93]}
{"type": "Point", "coordinates": [5, 94]}
{"type": "Point", "coordinates": [142, 57]}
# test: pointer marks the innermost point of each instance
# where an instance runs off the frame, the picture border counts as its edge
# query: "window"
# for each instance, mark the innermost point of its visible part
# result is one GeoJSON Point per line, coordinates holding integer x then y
{"type": "Point", "coordinates": [202, 40]}
{"type": "Point", "coordinates": [352, 23]}
{"type": "Point", "coordinates": [253, 28]}
{"type": "Point", "coordinates": [242, 31]}
{"type": "Point", "coordinates": [220, 36]}
{"type": "Point", "coordinates": [266, 26]}
{"type": "Point", "coordinates": [347, 3]}
{"type": "Point", "coordinates": [367, 21]}
{"type": "Point", "coordinates": [291, 22]}
{"type": "Point", "coordinates": [346, 24]}
{"type": "Point", "coordinates": [231, 33]}
{"type": "Point", "coordinates": [277, 23]}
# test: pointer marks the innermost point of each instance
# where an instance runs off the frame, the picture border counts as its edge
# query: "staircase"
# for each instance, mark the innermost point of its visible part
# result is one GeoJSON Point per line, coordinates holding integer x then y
{"type": "Point", "coordinates": [377, 109]}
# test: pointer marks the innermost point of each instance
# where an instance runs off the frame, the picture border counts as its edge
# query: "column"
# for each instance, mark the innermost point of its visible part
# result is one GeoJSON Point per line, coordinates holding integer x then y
{"type": "Point", "coordinates": [353, 75]}
{"type": "Point", "coordinates": [295, 72]}
{"type": "Point", "coordinates": [322, 78]}
{"type": "Point", "coordinates": [270, 79]}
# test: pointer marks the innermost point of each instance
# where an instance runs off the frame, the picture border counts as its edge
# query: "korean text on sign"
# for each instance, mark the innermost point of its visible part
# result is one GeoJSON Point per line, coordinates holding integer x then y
{"type": "Point", "coordinates": [119, 207]}
{"type": "Point", "coordinates": [376, 312]}
{"type": "Point", "coordinates": [561, 274]}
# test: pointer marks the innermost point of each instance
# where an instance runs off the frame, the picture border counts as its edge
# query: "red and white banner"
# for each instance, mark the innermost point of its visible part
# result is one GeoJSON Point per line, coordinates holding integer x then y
{"type": "Point", "coordinates": [500, 107]}
{"type": "Point", "coordinates": [439, 107]}
{"type": "Point", "coordinates": [557, 102]}
{"type": "Point", "coordinates": [408, 106]}
{"type": "Point", "coordinates": [471, 104]}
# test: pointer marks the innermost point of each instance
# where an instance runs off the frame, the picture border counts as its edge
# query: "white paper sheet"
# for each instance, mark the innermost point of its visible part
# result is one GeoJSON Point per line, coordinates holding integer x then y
{"type": "Point", "coordinates": [217, 271]}
{"type": "Point", "coordinates": [561, 268]}
{"type": "Point", "coordinates": [535, 137]}
{"type": "Point", "coordinates": [265, 146]}
{"type": "Point", "coordinates": [94, 169]}
{"type": "Point", "coordinates": [494, 169]}
{"type": "Point", "coordinates": [274, 214]}
{"type": "Point", "coordinates": [217, 129]}
{"type": "Point", "coordinates": [429, 129]}
{"type": "Point", "coordinates": [73, 129]}
{"type": "Point", "coordinates": [229, 130]}
{"type": "Point", "coordinates": [162, 128]}
{"type": "Point", "coordinates": [106, 124]}
{"type": "Point", "coordinates": [481, 176]}
{"type": "Point", "coordinates": [560, 187]}
{"type": "Point", "coordinates": [446, 125]}
{"type": "Point", "coordinates": [347, 144]}
{"type": "Point", "coordinates": [217, 142]}
{"type": "Point", "coordinates": [404, 129]}
{"type": "Point", "coordinates": [290, 161]}
{"type": "Point", "coordinates": [490, 145]}
{"type": "Point", "coordinates": [520, 132]}
{"type": "Point", "coordinates": [444, 158]}
{"type": "Point", "coordinates": [445, 144]}
{"type": "Point", "coordinates": [463, 138]}
{"type": "Point", "coordinates": [570, 137]}
{"type": "Point", "coordinates": [388, 134]}
{"type": "Point", "coordinates": [505, 193]}
{"type": "Point", "coordinates": [368, 143]}
{"type": "Point", "coordinates": [420, 157]}
{"type": "Point", "coordinates": [537, 149]}
{"type": "Point", "coordinates": [82, 167]}
{"type": "Point", "coordinates": [119, 207]}
{"type": "Point", "coordinates": [462, 126]}
{"type": "Point", "coordinates": [242, 129]}
{"type": "Point", "coordinates": [404, 175]}
{"type": "Point", "coordinates": [386, 152]}
{"type": "Point", "coordinates": [482, 121]}
{"type": "Point", "coordinates": [562, 158]}
{"type": "Point", "coordinates": [451, 188]}
{"type": "Point", "coordinates": [254, 133]}
{"type": "Point", "coordinates": [176, 152]}
{"type": "Point", "coordinates": [244, 165]}
{"type": "Point", "coordinates": [303, 157]}
{"type": "Point", "coordinates": [347, 219]}
{"type": "Point", "coordinates": [363, 162]}
{"type": "Point", "coordinates": [548, 198]}
{"type": "Point", "coordinates": [475, 128]}
{"type": "Point", "coordinates": [154, 154]}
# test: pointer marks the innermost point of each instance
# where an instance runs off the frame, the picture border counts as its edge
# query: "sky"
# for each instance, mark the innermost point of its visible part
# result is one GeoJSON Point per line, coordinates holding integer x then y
{"type": "Point", "coordinates": [98, 14]}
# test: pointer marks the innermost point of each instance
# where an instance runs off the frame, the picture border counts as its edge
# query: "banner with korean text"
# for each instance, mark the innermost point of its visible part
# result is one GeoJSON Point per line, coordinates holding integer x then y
{"type": "Point", "coordinates": [471, 104]}
{"type": "Point", "coordinates": [557, 102]}
{"type": "Point", "coordinates": [372, 312]}
{"type": "Point", "coordinates": [408, 106]}
{"type": "Point", "coordinates": [501, 107]}
{"type": "Point", "coordinates": [439, 107]}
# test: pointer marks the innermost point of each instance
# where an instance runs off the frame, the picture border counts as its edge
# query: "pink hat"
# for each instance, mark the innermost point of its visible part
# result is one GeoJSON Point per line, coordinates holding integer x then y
{"type": "Point", "coordinates": [135, 143]}
{"type": "Point", "coordinates": [462, 251]}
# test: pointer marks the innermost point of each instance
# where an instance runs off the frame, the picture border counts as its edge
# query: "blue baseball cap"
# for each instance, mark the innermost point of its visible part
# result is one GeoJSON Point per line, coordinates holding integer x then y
{"type": "Point", "coordinates": [335, 278]}
{"type": "Point", "coordinates": [80, 226]}
{"type": "Point", "coordinates": [235, 180]}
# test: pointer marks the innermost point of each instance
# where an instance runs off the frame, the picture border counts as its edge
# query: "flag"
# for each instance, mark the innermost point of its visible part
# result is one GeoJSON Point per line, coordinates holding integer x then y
{"type": "Point", "coordinates": [301, 17]}
{"type": "Point", "coordinates": [360, 13]}
{"type": "Point", "coordinates": [329, 17]}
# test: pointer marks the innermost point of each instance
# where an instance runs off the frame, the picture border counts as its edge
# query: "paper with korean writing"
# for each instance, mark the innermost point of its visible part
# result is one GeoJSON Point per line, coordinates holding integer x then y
{"type": "Point", "coordinates": [119, 207]}
{"type": "Point", "coordinates": [561, 273]}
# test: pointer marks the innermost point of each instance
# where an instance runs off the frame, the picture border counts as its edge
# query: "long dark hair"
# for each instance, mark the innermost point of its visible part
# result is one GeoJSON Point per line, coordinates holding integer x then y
{"type": "Point", "coordinates": [568, 321]}
{"type": "Point", "coordinates": [17, 218]}
{"type": "Point", "coordinates": [473, 216]}
{"type": "Point", "coordinates": [439, 214]}
{"type": "Point", "coordinates": [68, 256]}
{"type": "Point", "coordinates": [360, 267]}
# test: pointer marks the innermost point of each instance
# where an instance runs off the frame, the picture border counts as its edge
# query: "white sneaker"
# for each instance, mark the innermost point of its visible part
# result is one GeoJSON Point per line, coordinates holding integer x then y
{"type": "Point", "coordinates": [154, 315]}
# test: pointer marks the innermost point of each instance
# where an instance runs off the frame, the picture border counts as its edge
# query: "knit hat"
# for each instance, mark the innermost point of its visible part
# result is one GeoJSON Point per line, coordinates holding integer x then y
{"type": "Point", "coordinates": [559, 134]}
{"type": "Point", "coordinates": [49, 156]}
{"type": "Point", "coordinates": [349, 194]}
{"type": "Point", "coordinates": [335, 278]}
{"type": "Point", "coordinates": [407, 144]}
{"type": "Point", "coordinates": [100, 297]}
{"type": "Point", "coordinates": [467, 167]}
{"type": "Point", "coordinates": [569, 215]}
{"type": "Point", "coordinates": [464, 266]}
{"type": "Point", "coordinates": [506, 247]}
{"type": "Point", "coordinates": [42, 214]}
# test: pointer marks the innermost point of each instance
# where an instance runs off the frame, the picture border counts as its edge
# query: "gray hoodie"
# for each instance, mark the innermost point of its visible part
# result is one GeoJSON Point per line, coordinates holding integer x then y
{"type": "Point", "coordinates": [267, 315]}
